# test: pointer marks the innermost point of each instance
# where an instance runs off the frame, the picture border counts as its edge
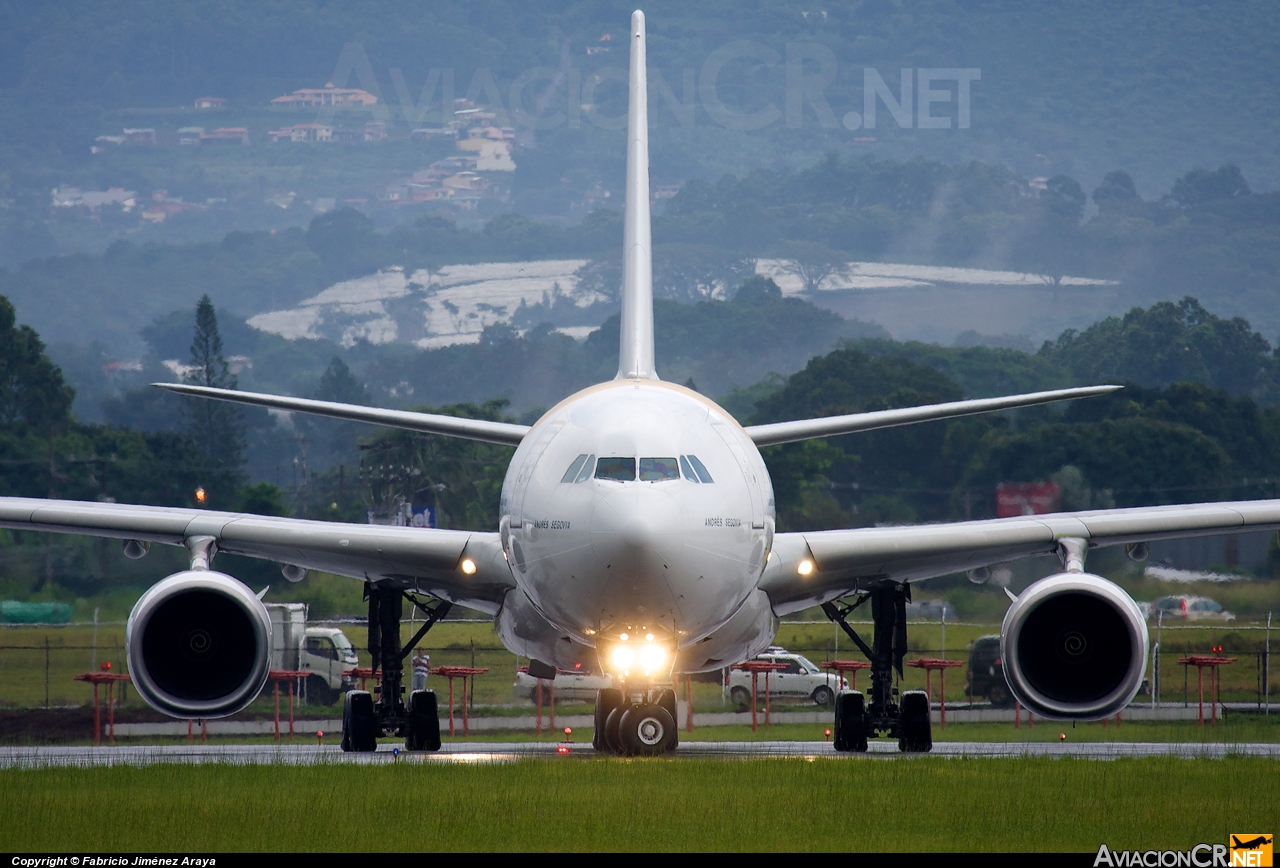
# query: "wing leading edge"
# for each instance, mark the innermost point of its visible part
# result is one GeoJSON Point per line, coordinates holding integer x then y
{"type": "Point", "coordinates": [843, 558]}
{"type": "Point", "coordinates": [830, 426]}
{"type": "Point", "coordinates": [504, 433]}
{"type": "Point", "coordinates": [427, 559]}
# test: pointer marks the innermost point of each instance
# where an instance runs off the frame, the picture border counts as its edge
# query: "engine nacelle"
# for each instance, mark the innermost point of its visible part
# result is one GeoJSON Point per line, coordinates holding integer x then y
{"type": "Point", "coordinates": [199, 645]}
{"type": "Point", "coordinates": [1074, 646]}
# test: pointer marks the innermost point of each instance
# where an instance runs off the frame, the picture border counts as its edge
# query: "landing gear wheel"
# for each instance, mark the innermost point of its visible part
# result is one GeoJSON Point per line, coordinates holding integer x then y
{"type": "Point", "coordinates": [740, 697]}
{"type": "Point", "coordinates": [422, 729]}
{"type": "Point", "coordinates": [915, 728]}
{"type": "Point", "coordinates": [606, 701]}
{"type": "Point", "coordinates": [646, 730]}
{"type": "Point", "coordinates": [319, 692]}
{"type": "Point", "coordinates": [667, 701]}
{"type": "Point", "coordinates": [851, 722]}
{"type": "Point", "coordinates": [359, 723]}
{"type": "Point", "coordinates": [823, 697]}
{"type": "Point", "coordinates": [612, 724]}
{"type": "Point", "coordinates": [998, 694]}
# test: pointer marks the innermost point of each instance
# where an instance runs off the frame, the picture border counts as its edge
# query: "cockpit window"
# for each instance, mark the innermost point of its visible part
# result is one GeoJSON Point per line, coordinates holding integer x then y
{"type": "Point", "coordinates": [587, 466]}
{"type": "Point", "coordinates": [700, 469]}
{"type": "Point", "coordinates": [618, 469]}
{"type": "Point", "coordinates": [572, 473]}
{"type": "Point", "coordinates": [658, 469]}
{"type": "Point", "coordinates": [687, 470]}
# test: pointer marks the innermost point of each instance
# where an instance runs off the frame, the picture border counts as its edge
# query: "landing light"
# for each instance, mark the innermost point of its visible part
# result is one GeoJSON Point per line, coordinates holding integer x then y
{"type": "Point", "coordinates": [652, 657]}
{"type": "Point", "coordinates": [468, 566]}
{"type": "Point", "coordinates": [649, 637]}
{"type": "Point", "coordinates": [622, 657]}
{"type": "Point", "coordinates": [624, 637]}
{"type": "Point", "coordinates": [805, 567]}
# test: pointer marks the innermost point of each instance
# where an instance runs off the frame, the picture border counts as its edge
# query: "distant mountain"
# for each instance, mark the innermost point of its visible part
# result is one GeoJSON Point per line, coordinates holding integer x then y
{"type": "Point", "coordinates": [1156, 88]}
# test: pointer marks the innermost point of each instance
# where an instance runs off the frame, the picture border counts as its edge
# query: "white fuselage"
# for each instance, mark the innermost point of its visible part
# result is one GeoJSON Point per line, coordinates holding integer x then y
{"type": "Point", "coordinates": [655, 552]}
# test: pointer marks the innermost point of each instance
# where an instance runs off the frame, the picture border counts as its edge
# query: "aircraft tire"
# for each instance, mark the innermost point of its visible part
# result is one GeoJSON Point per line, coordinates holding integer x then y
{"type": "Point", "coordinates": [851, 722]}
{"type": "Point", "coordinates": [646, 730]}
{"type": "Point", "coordinates": [359, 722]}
{"type": "Point", "coordinates": [606, 701]}
{"type": "Point", "coordinates": [915, 728]}
{"type": "Point", "coordinates": [422, 731]}
{"type": "Point", "coordinates": [612, 736]}
{"type": "Point", "coordinates": [667, 700]}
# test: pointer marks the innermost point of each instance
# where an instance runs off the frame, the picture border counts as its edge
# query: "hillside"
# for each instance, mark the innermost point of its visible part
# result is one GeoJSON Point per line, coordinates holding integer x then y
{"type": "Point", "coordinates": [1154, 88]}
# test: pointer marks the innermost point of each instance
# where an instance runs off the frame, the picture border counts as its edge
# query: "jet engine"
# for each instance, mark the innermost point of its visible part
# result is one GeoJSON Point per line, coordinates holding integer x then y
{"type": "Point", "coordinates": [1074, 646]}
{"type": "Point", "coordinates": [199, 645]}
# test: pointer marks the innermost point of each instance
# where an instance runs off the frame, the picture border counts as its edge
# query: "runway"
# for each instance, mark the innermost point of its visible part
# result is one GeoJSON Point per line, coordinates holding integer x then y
{"type": "Point", "coordinates": [498, 752]}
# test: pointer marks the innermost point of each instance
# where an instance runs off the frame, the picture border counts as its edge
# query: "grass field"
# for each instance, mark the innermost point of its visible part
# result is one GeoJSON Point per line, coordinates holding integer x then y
{"type": "Point", "coordinates": [926, 804]}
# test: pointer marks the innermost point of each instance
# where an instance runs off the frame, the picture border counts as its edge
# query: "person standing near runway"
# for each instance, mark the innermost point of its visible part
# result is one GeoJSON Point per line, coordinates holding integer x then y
{"type": "Point", "coordinates": [421, 669]}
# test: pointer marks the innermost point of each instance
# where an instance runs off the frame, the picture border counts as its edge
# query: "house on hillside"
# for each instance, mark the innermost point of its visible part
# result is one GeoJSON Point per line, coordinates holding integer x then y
{"type": "Point", "coordinates": [190, 136]}
{"type": "Point", "coordinates": [210, 102]}
{"type": "Point", "coordinates": [302, 133]}
{"type": "Point", "coordinates": [139, 137]}
{"type": "Point", "coordinates": [71, 197]}
{"type": "Point", "coordinates": [338, 97]}
{"type": "Point", "coordinates": [226, 136]}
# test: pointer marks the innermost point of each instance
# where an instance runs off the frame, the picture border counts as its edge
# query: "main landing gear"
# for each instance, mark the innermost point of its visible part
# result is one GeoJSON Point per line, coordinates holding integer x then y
{"type": "Point", "coordinates": [635, 724]}
{"type": "Point", "coordinates": [366, 718]}
{"type": "Point", "coordinates": [856, 720]}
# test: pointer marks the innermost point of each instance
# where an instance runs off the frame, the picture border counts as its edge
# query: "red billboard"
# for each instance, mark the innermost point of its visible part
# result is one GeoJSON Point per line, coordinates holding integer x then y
{"type": "Point", "coordinates": [1026, 498]}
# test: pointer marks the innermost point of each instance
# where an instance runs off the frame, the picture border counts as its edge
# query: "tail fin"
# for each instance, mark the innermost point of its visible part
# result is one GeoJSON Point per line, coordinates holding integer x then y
{"type": "Point", "coordinates": [635, 358]}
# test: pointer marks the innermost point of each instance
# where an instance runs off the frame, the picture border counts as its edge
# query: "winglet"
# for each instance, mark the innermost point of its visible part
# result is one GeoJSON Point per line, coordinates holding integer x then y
{"type": "Point", "coordinates": [635, 357]}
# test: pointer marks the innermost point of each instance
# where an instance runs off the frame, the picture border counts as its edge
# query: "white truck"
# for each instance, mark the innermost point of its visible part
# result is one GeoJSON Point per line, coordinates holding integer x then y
{"type": "Point", "coordinates": [324, 652]}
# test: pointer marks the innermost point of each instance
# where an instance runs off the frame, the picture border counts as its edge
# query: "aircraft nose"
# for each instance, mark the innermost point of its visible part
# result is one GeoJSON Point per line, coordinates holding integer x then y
{"type": "Point", "coordinates": [637, 532]}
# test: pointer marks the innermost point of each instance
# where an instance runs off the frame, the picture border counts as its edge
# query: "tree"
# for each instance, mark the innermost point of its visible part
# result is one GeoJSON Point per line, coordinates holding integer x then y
{"type": "Point", "coordinates": [1164, 344]}
{"type": "Point", "coordinates": [32, 390]}
{"type": "Point", "coordinates": [813, 263]}
{"type": "Point", "coordinates": [216, 427]}
{"type": "Point", "coordinates": [1200, 187]}
{"type": "Point", "coordinates": [1117, 194]}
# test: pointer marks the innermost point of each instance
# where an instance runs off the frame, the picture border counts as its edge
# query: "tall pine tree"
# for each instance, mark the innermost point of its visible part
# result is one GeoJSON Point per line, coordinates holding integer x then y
{"type": "Point", "coordinates": [216, 427]}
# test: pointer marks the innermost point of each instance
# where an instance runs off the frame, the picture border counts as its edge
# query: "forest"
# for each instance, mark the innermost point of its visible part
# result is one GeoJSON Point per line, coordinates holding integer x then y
{"type": "Point", "coordinates": [1197, 420]}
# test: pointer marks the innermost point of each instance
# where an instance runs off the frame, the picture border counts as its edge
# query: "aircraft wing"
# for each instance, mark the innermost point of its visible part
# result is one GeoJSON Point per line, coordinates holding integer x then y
{"type": "Point", "coordinates": [424, 558]}
{"type": "Point", "coordinates": [843, 558]}
{"type": "Point", "coordinates": [830, 426]}
{"type": "Point", "coordinates": [504, 433]}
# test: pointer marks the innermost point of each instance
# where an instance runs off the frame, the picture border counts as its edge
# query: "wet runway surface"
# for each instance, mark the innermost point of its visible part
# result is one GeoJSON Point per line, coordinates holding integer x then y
{"type": "Point", "coordinates": [40, 757]}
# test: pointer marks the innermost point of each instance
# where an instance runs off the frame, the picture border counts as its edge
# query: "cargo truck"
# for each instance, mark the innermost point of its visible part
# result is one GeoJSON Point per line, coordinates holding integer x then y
{"type": "Point", "coordinates": [324, 652]}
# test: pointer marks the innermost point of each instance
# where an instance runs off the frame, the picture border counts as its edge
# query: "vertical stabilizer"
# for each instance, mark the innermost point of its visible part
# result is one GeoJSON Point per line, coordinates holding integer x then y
{"type": "Point", "coordinates": [635, 359]}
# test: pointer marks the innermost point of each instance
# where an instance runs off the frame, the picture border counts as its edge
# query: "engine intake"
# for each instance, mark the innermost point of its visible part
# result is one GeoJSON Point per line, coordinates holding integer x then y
{"type": "Point", "coordinates": [1074, 646]}
{"type": "Point", "coordinates": [199, 645]}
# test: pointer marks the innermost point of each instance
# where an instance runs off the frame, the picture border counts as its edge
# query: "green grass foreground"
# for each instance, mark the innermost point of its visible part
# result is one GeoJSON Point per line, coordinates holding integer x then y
{"type": "Point", "coordinates": [924, 804]}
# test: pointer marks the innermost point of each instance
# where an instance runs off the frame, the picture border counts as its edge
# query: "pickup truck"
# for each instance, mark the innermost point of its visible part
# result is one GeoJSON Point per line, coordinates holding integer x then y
{"type": "Point", "coordinates": [801, 679]}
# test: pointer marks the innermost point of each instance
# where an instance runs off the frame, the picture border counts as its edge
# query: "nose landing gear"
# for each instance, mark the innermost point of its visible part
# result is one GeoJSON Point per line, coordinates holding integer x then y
{"type": "Point", "coordinates": [640, 724]}
{"type": "Point", "coordinates": [856, 721]}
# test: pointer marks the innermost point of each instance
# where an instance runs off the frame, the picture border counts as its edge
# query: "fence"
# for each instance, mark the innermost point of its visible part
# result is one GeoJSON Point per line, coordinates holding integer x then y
{"type": "Point", "coordinates": [37, 663]}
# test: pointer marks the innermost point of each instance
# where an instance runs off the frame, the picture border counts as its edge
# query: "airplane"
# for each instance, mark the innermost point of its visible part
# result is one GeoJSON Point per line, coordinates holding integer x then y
{"type": "Point", "coordinates": [637, 533]}
{"type": "Point", "coordinates": [1251, 844]}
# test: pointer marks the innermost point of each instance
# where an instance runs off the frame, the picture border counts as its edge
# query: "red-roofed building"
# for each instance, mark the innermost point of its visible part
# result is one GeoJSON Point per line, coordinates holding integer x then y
{"type": "Point", "coordinates": [339, 97]}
